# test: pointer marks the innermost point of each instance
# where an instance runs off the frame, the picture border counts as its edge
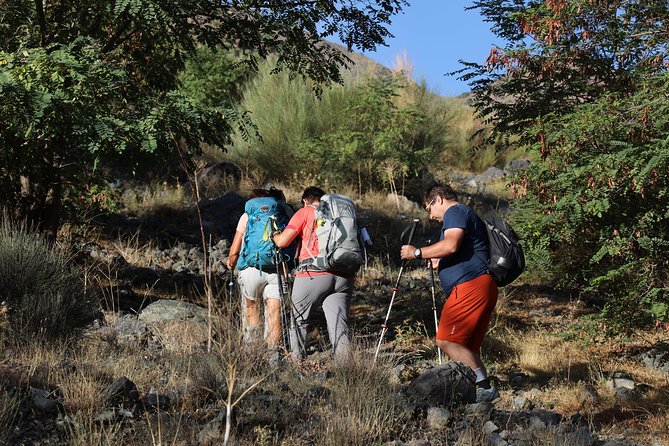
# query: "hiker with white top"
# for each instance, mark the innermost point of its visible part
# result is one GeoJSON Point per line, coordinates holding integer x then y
{"type": "Point", "coordinates": [252, 252]}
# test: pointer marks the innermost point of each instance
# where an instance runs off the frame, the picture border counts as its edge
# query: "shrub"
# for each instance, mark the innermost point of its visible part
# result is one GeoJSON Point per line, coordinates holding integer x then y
{"type": "Point", "coordinates": [44, 296]}
{"type": "Point", "coordinates": [10, 401]}
{"type": "Point", "coordinates": [597, 201]}
{"type": "Point", "coordinates": [364, 406]}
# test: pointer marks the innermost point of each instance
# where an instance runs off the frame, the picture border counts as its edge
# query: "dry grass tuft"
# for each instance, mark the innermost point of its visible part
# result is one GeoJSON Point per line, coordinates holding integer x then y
{"type": "Point", "coordinates": [363, 407]}
{"type": "Point", "coordinates": [541, 354]}
{"type": "Point", "coordinates": [155, 198]}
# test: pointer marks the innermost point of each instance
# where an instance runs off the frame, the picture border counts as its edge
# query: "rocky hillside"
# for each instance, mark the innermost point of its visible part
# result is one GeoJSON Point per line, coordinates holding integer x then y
{"type": "Point", "coordinates": [157, 367]}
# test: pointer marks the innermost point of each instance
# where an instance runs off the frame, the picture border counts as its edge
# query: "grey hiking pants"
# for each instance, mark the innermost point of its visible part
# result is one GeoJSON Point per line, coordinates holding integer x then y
{"type": "Point", "coordinates": [334, 293]}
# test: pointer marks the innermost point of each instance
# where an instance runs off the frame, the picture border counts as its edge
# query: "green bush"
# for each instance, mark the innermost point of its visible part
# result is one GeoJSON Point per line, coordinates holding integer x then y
{"type": "Point", "coordinates": [376, 131]}
{"type": "Point", "coordinates": [596, 204]}
{"type": "Point", "coordinates": [43, 296]}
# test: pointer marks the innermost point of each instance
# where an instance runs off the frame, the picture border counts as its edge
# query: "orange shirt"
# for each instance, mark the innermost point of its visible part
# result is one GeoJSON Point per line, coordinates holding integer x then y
{"type": "Point", "coordinates": [303, 223]}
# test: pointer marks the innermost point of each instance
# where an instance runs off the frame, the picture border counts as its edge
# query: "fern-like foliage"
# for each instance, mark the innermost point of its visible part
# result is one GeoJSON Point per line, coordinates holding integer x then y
{"type": "Point", "coordinates": [87, 82]}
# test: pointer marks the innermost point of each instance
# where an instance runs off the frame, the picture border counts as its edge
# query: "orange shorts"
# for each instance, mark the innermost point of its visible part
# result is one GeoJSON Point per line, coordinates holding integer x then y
{"type": "Point", "coordinates": [466, 313]}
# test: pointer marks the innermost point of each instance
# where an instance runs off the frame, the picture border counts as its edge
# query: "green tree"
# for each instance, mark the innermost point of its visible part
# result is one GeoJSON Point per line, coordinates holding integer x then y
{"type": "Point", "coordinates": [215, 77]}
{"type": "Point", "coordinates": [583, 86]}
{"type": "Point", "coordinates": [376, 139]}
{"type": "Point", "coordinates": [84, 82]}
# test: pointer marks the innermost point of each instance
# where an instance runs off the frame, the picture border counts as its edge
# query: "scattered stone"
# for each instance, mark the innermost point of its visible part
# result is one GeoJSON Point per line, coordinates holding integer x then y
{"type": "Point", "coordinates": [446, 385]}
{"type": "Point", "coordinates": [120, 392]}
{"type": "Point", "coordinates": [489, 427]}
{"type": "Point", "coordinates": [537, 423]}
{"type": "Point", "coordinates": [482, 409]}
{"type": "Point", "coordinates": [580, 437]}
{"type": "Point", "coordinates": [514, 166]}
{"type": "Point", "coordinates": [522, 437]}
{"type": "Point", "coordinates": [42, 401]}
{"type": "Point", "coordinates": [493, 173]}
{"type": "Point", "coordinates": [496, 440]}
{"type": "Point", "coordinates": [155, 401]}
{"type": "Point", "coordinates": [657, 358]}
{"type": "Point", "coordinates": [167, 310]}
{"type": "Point", "coordinates": [621, 379]}
{"type": "Point", "coordinates": [623, 386]}
{"type": "Point", "coordinates": [533, 393]}
{"type": "Point", "coordinates": [626, 395]}
{"type": "Point", "coordinates": [130, 330]}
{"type": "Point", "coordinates": [437, 418]}
{"type": "Point", "coordinates": [113, 416]}
{"type": "Point", "coordinates": [521, 403]}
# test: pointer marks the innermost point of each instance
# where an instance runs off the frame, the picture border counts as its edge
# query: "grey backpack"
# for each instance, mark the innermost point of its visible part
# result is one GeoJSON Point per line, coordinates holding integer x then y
{"type": "Point", "coordinates": [337, 232]}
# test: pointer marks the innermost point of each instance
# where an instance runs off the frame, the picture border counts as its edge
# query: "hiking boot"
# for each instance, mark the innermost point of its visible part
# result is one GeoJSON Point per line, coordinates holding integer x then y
{"type": "Point", "coordinates": [487, 395]}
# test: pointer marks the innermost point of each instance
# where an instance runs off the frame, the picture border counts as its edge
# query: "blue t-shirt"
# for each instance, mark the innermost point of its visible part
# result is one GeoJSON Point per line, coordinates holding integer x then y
{"type": "Point", "coordinates": [471, 259]}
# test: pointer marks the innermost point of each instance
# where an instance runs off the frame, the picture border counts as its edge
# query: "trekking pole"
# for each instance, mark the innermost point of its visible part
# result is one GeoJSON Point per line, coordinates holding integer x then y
{"type": "Point", "coordinates": [434, 302]}
{"type": "Point", "coordinates": [231, 285]}
{"type": "Point", "coordinates": [384, 326]}
{"type": "Point", "coordinates": [284, 291]}
{"type": "Point", "coordinates": [279, 262]}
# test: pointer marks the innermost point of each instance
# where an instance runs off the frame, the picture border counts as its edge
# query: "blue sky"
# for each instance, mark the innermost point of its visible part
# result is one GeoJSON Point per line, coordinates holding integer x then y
{"type": "Point", "coordinates": [435, 34]}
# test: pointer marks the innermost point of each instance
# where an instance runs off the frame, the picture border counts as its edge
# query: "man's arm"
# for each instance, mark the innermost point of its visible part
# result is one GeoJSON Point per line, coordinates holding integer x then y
{"type": "Point", "coordinates": [451, 243]}
{"type": "Point", "coordinates": [284, 238]}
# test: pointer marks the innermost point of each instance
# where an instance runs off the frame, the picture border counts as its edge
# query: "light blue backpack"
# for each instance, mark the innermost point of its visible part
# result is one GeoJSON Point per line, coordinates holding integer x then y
{"type": "Point", "coordinates": [266, 214]}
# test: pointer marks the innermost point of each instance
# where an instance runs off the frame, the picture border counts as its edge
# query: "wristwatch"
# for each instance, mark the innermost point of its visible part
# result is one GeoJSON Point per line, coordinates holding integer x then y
{"type": "Point", "coordinates": [417, 253]}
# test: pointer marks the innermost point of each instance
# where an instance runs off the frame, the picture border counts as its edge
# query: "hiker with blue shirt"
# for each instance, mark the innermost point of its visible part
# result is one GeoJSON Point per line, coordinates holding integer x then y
{"type": "Point", "coordinates": [252, 252]}
{"type": "Point", "coordinates": [461, 257]}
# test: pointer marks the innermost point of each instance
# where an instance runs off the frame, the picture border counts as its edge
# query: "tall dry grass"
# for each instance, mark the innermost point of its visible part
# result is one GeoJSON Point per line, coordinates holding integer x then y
{"type": "Point", "coordinates": [43, 293]}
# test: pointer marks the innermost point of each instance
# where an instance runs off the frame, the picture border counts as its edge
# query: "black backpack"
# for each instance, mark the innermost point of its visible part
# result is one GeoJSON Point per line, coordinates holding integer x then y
{"type": "Point", "coordinates": [507, 260]}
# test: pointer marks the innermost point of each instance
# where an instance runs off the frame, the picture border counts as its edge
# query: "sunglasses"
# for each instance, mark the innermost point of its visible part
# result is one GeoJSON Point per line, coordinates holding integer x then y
{"type": "Point", "coordinates": [428, 207]}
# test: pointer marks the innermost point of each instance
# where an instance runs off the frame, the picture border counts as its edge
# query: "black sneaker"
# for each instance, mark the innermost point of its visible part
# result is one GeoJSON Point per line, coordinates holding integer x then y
{"type": "Point", "coordinates": [490, 394]}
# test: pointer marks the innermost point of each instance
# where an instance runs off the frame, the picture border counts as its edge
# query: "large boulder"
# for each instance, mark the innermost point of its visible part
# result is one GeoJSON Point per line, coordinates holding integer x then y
{"type": "Point", "coordinates": [219, 176]}
{"type": "Point", "coordinates": [221, 214]}
{"type": "Point", "coordinates": [447, 385]}
{"type": "Point", "coordinates": [514, 166]}
{"type": "Point", "coordinates": [172, 310]}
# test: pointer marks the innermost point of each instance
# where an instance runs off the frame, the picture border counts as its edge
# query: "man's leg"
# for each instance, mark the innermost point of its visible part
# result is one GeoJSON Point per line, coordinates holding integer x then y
{"type": "Point", "coordinates": [307, 290]}
{"type": "Point", "coordinates": [336, 308]}
{"type": "Point", "coordinates": [464, 322]}
{"type": "Point", "coordinates": [272, 311]}
{"type": "Point", "coordinates": [458, 352]}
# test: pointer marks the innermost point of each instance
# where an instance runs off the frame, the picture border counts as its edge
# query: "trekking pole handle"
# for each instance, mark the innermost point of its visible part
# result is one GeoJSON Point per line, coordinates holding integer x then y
{"type": "Point", "coordinates": [413, 229]}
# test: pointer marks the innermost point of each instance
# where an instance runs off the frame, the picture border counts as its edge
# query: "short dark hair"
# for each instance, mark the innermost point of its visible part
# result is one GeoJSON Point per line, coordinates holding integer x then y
{"type": "Point", "coordinates": [439, 190]}
{"type": "Point", "coordinates": [277, 194]}
{"type": "Point", "coordinates": [312, 193]}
